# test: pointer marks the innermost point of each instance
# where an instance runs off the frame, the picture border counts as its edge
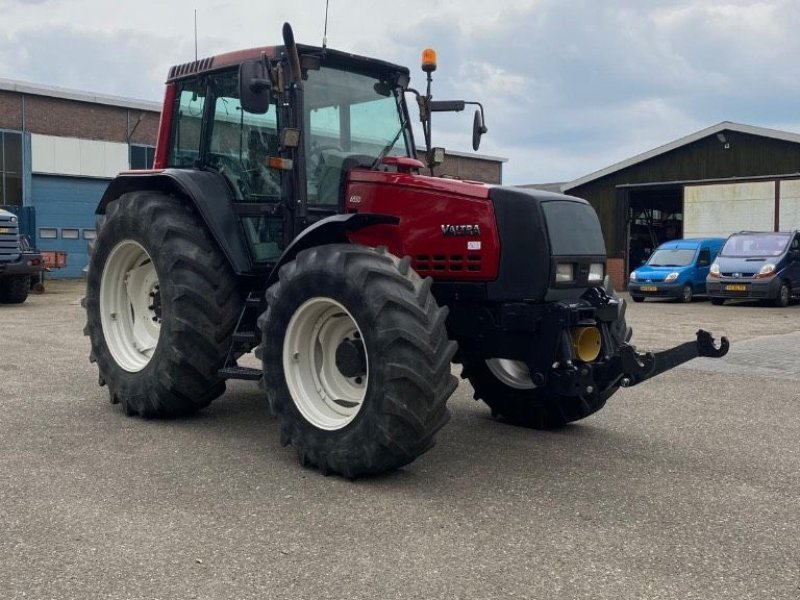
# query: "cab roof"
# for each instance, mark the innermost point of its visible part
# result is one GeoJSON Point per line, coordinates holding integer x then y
{"type": "Point", "coordinates": [329, 57]}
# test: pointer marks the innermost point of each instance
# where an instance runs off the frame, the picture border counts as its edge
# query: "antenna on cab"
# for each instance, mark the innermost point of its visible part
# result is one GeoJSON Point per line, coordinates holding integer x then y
{"type": "Point", "coordinates": [325, 32]}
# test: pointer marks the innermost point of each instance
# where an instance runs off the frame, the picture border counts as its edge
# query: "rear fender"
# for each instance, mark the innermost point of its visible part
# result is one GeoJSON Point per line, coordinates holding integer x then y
{"type": "Point", "coordinates": [207, 192]}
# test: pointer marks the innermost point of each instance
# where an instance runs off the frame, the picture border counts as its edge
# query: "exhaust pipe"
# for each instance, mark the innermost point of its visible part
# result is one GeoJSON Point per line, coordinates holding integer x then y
{"type": "Point", "coordinates": [294, 56]}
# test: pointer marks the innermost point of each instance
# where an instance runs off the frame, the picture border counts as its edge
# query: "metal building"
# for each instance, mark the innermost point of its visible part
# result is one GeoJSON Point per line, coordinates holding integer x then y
{"type": "Point", "coordinates": [718, 180]}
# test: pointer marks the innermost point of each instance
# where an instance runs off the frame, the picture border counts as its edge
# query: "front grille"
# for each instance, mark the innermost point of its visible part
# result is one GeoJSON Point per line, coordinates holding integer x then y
{"type": "Point", "coordinates": [429, 264]}
{"type": "Point", "coordinates": [9, 239]}
{"type": "Point", "coordinates": [744, 275]}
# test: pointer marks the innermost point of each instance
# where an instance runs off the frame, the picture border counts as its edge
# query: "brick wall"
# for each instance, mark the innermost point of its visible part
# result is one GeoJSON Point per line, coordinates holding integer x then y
{"type": "Point", "coordinates": [10, 111]}
{"type": "Point", "coordinates": [70, 118]}
{"type": "Point", "coordinates": [616, 270]}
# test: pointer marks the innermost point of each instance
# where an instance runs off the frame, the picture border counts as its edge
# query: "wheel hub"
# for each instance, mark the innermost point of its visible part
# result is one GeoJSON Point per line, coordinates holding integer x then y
{"type": "Point", "coordinates": [130, 305]}
{"type": "Point", "coordinates": [325, 363]}
{"type": "Point", "coordinates": [351, 359]}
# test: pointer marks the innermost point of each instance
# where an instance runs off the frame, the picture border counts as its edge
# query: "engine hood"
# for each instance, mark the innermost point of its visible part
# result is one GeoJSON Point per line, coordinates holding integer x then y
{"type": "Point", "coordinates": [458, 187]}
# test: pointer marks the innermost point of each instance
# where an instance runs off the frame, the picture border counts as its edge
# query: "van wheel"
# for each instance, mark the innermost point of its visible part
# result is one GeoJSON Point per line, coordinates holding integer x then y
{"type": "Point", "coordinates": [686, 294]}
{"type": "Point", "coordinates": [637, 298]}
{"type": "Point", "coordinates": [784, 294]}
{"type": "Point", "coordinates": [717, 301]}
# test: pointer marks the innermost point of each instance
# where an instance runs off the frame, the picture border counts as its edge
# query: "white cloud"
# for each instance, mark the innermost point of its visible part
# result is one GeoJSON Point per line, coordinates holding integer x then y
{"type": "Point", "coordinates": [569, 86]}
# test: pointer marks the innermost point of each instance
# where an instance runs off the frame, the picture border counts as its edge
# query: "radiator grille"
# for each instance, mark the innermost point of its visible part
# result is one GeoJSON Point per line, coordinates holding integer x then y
{"type": "Point", "coordinates": [431, 264]}
{"type": "Point", "coordinates": [9, 239]}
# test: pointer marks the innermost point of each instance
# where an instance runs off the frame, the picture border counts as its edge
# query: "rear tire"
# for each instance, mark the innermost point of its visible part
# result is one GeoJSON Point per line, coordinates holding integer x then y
{"type": "Point", "coordinates": [161, 306]}
{"type": "Point", "coordinates": [14, 290]}
{"type": "Point", "coordinates": [380, 411]}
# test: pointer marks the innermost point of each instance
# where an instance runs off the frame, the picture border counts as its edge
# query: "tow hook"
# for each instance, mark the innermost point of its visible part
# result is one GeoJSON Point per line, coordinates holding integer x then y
{"type": "Point", "coordinates": [640, 367]}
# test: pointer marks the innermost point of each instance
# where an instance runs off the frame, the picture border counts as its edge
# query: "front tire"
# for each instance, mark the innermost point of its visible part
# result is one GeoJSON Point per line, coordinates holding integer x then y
{"type": "Point", "coordinates": [14, 290]}
{"type": "Point", "coordinates": [356, 360]}
{"type": "Point", "coordinates": [507, 388]}
{"type": "Point", "coordinates": [687, 294]}
{"type": "Point", "coordinates": [717, 301]}
{"type": "Point", "coordinates": [783, 297]}
{"type": "Point", "coordinates": [161, 306]}
{"type": "Point", "coordinates": [513, 397]}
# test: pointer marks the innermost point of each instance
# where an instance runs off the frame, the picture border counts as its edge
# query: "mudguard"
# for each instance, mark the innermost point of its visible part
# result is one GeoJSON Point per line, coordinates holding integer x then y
{"type": "Point", "coordinates": [209, 194]}
{"type": "Point", "coordinates": [331, 230]}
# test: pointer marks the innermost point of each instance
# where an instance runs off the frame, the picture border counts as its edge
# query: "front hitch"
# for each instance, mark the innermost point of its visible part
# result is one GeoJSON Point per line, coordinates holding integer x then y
{"type": "Point", "coordinates": [637, 368]}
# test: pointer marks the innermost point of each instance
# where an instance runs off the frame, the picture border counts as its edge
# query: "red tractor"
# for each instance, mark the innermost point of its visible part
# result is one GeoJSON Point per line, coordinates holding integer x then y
{"type": "Point", "coordinates": [286, 213]}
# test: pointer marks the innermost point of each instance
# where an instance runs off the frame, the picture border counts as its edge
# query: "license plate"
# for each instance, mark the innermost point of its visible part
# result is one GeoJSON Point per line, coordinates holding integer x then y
{"type": "Point", "coordinates": [5, 229]}
{"type": "Point", "coordinates": [736, 287]}
{"type": "Point", "coordinates": [648, 288]}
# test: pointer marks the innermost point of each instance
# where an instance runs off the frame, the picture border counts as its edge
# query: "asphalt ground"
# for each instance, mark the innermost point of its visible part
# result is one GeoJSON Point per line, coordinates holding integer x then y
{"type": "Point", "coordinates": [686, 486]}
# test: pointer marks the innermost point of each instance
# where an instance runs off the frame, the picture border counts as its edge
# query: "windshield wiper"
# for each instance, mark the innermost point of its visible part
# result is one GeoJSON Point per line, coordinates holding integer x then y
{"type": "Point", "coordinates": [388, 147]}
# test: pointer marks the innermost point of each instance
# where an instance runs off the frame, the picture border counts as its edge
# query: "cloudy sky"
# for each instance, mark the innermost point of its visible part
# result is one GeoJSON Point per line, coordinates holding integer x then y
{"type": "Point", "coordinates": [569, 86]}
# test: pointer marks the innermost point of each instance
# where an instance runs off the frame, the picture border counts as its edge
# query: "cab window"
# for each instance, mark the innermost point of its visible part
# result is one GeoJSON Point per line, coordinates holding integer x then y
{"type": "Point", "coordinates": [704, 258]}
{"type": "Point", "coordinates": [187, 124]}
{"type": "Point", "coordinates": [240, 143]}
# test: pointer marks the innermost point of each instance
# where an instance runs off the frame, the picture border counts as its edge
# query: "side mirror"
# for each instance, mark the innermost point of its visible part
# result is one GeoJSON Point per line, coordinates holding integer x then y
{"type": "Point", "coordinates": [254, 87]}
{"type": "Point", "coordinates": [478, 129]}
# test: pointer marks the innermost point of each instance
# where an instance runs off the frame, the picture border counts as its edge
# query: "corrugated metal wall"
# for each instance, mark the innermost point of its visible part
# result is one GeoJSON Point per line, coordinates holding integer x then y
{"type": "Point", "coordinates": [64, 205]}
{"type": "Point", "coordinates": [747, 156]}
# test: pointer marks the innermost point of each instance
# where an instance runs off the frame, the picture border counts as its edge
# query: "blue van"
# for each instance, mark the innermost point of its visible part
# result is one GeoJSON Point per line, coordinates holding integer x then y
{"type": "Point", "coordinates": [677, 269]}
{"type": "Point", "coordinates": [757, 265]}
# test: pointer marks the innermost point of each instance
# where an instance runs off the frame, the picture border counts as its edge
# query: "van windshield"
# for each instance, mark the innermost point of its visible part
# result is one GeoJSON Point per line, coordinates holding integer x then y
{"type": "Point", "coordinates": [758, 244]}
{"type": "Point", "coordinates": [672, 257]}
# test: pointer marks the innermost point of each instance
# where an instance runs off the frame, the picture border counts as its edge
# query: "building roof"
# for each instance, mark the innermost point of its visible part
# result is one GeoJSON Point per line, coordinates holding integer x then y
{"type": "Point", "coordinates": [35, 89]}
{"type": "Point", "coordinates": [776, 134]}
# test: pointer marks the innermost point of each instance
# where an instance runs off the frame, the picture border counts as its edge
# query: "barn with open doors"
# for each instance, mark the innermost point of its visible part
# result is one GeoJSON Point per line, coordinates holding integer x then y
{"type": "Point", "coordinates": [721, 179]}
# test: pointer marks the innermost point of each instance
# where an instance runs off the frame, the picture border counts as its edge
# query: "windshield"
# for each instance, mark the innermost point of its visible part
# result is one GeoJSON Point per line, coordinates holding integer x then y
{"type": "Point", "coordinates": [672, 257]}
{"type": "Point", "coordinates": [761, 244]}
{"type": "Point", "coordinates": [347, 115]}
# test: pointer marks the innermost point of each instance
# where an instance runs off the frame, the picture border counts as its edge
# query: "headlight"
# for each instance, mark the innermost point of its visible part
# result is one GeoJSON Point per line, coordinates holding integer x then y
{"type": "Point", "coordinates": [713, 271]}
{"type": "Point", "coordinates": [565, 272]}
{"type": "Point", "coordinates": [596, 272]}
{"type": "Point", "coordinates": [768, 270]}
{"type": "Point", "coordinates": [633, 276]}
{"type": "Point", "coordinates": [671, 277]}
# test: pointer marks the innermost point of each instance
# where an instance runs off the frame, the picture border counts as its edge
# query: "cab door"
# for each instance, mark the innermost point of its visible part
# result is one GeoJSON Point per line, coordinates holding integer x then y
{"type": "Point", "coordinates": [237, 145]}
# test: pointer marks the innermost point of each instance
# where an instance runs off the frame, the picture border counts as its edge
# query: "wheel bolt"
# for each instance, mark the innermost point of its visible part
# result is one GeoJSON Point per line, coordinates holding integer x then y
{"type": "Point", "coordinates": [296, 356]}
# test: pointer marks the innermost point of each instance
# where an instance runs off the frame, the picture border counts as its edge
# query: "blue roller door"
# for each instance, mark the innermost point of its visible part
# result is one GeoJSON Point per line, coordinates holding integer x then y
{"type": "Point", "coordinates": [65, 209]}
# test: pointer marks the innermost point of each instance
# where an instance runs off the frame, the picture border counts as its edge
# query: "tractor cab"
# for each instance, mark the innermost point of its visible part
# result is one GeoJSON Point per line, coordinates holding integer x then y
{"type": "Point", "coordinates": [284, 150]}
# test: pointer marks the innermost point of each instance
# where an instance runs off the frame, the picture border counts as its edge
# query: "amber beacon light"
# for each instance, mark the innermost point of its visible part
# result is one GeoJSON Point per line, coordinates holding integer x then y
{"type": "Point", "coordinates": [429, 60]}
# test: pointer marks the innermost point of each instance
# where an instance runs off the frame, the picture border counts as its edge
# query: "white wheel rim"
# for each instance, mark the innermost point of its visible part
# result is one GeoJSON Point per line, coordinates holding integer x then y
{"type": "Point", "coordinates": [128, 312]}
{"type": "Point", "coordinates": [513, 373]}
{"type": "Point", "coordinates": [321, 392]}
